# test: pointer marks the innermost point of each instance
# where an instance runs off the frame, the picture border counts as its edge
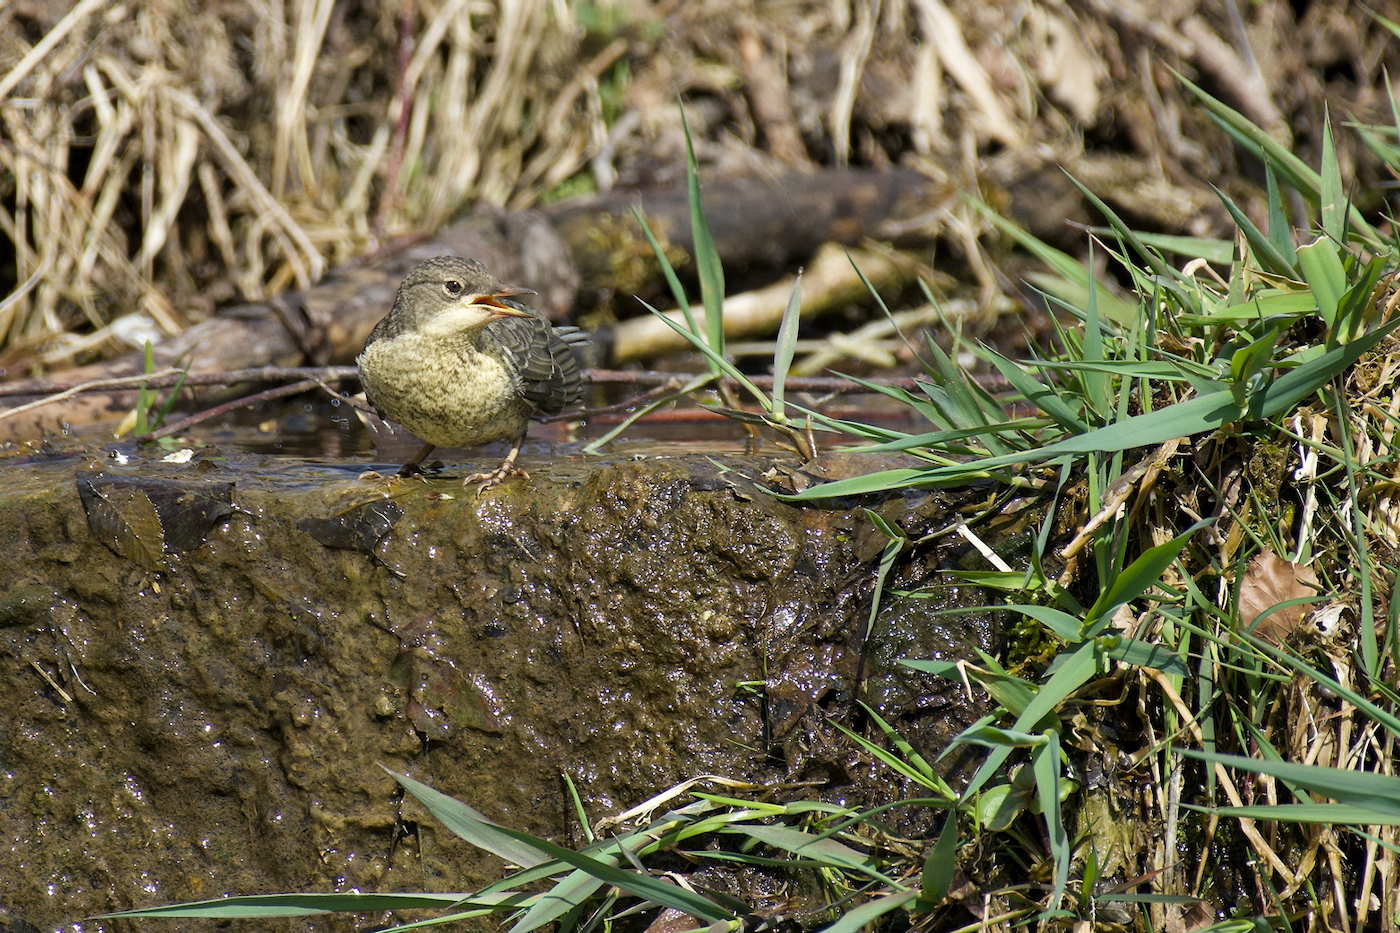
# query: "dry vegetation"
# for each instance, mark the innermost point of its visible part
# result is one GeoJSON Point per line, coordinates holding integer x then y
{"type": "Point", "coordinates": [162, 159]}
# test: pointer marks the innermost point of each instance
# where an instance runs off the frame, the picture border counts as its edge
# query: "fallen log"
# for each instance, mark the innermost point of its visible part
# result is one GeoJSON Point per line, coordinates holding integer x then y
{"type": "Point", "coordinates": [755, 222]}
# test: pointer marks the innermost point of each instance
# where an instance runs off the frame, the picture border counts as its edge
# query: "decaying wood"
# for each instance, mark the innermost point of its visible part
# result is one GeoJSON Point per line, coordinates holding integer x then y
{"type": "Point", "coordinates": [759, 222]}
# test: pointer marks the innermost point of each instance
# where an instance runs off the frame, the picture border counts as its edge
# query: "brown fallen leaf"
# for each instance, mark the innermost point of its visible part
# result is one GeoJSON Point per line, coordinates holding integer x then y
{"type": "Point", "coordinates": [1269, 581]}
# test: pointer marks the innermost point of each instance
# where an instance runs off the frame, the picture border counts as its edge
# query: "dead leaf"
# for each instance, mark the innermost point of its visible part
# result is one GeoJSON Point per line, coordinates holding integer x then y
{"type": "Point", "coordinates": [1271, 580]}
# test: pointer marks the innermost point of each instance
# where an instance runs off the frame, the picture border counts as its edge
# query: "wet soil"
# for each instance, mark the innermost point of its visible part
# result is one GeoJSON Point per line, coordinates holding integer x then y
{"type": "Point", "coordinates": [207, 661]}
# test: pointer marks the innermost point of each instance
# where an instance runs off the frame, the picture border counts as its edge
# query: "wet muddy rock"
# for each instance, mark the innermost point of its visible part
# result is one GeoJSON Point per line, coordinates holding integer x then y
{"type": "Point", "coordinates": [206, 662]}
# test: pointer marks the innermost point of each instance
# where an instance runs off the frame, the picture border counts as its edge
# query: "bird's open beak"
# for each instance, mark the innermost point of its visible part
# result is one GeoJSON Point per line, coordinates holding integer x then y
{"type": "Point", "coordinates": [499, 308]}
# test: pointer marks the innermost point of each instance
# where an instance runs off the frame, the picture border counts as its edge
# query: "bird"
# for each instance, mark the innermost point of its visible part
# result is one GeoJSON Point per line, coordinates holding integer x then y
{"type": "Point", "coordinates": [460, 362]}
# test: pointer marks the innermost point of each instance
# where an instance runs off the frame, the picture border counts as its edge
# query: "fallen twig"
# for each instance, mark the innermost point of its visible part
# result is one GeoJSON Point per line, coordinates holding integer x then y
{"type": "Point", "coordinates": [266, 396]}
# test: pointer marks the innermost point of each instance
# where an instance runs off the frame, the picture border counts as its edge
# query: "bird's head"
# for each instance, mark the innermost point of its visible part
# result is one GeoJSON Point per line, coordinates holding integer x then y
{"type": "Point", "coordinates": [448, 295]}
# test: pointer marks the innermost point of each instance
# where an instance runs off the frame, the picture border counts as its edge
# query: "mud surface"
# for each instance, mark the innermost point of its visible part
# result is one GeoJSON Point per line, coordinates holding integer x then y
{"type": "Point", "coordinates": [205, 663]}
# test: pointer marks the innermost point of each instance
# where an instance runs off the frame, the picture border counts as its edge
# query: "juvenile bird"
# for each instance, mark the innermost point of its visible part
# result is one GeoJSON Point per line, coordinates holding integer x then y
{"type": "Point", "coordinates": [459, 362]}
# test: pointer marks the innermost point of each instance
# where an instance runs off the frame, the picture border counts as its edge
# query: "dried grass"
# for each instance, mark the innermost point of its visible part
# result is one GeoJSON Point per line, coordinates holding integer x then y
{"type": "Point", "coordinates": [162, 158]}
{"type": "Point", "coordinates": [155, 150]}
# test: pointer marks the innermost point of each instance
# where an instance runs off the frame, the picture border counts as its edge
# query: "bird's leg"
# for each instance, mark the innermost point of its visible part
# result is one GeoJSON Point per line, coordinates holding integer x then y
{"type": "Point", "coordinates": [498, 475]}
{"type": "Point", "coordinates": [414, 467]}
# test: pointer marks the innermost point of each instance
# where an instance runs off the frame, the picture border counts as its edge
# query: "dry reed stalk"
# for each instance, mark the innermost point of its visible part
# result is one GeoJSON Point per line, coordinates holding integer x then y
{"type": "Point", "coordinates": [854, 51]}
{"type": "Point", "coordinates": [150, 97]}
{"type": "Point", "coordinates": [943, 31]}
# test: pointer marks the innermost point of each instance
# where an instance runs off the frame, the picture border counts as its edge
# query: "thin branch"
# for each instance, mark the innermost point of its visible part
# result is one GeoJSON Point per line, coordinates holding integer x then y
{"type": "Point", "coordinates": [166, 378]}
{"type": "Point", "coordinates": [93, 386]}
{"type": "Point", "coordinates": [247, 400]}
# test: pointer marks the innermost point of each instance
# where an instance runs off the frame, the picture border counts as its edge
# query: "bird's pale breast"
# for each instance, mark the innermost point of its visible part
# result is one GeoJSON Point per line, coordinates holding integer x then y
{"type": "Point", "coordinates": [450, 396]}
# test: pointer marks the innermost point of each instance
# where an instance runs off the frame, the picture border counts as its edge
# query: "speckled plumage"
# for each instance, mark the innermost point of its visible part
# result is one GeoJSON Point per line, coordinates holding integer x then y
{"type": "Point", "coordinates": [459, 362]}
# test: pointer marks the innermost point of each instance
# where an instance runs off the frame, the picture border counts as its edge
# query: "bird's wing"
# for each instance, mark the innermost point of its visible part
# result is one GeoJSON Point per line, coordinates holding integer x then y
{"type": "Point", "coordinates": [544, 356]}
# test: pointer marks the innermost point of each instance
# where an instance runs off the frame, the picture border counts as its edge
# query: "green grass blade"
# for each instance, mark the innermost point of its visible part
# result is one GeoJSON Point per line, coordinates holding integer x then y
{"type": "Point", "coordinates": [1322, 269]}
{"type": "Point", "coordinates": [787, 343]}
{"type": "Point", "coordinates": [1146, 654]}
{"type": "Point", "coordinates": [1279, 233]}
{"type": "Point", "coordinates": [1074, 297]}
{"type": "Point", "coordinates": [916, 774]}
{"type": "Point", "coordinates": [1339, 814]}
{"type": "Point", "coordinates": [568, 894]}
{"type": "Point", "coordinates": [1264, 307]}
{"type": "Point", "coordinates": [1064, 625]}
{"type": "Point", "coordinates": [669, 271]}
{"type": "Point", "coordinates": [470, 825]}
{"type": "Point", "coordinates": [1293, 170]}
{"type": "Point", "coordinates": [1063, 263]}
{"type": "Point", "coordinates": [1045, 761]}
{"type": "Point", "coordinates": [805, 845]}
{"type": "Point", "coordinates": [1154, 261]}
{"type": "Point", "coordinates": [1291, 388]}
{"type": "Point", "coordinates": [707, 263]}
{"type": "Point", "coordinates": [1264, 248]}
{"type": "Point", "coordinates": [717, 360]}
{"type": "Point", "coordinates": [1037, 393]}
{"type": "Point", "coordinates": [857, 919]}
{"type": "Point", "coordinates": [1355, 310]}
{"type": "Point", "coordinates": [638, 885]}
{"type": "Point", "coordinates": [1073, 672]}
{"type": "Point", "coordinates": [942, 862]}
{"type": "Point", "coordinates": [1194, 416]}
{"type": "Point", "coordinates": [1010, 692]}
{"type": "Point", "coordinates": [1378, 793]}
{"type": "Point", "coordinates": [900, 743]}
{"type": "Point", "coordinates": [1135, 579]}
{"type": "Point", "coordinates": [1332, 204]}
{"type": "Point", "coordinates": [896, 543]}
{"type": "Point", "coordinates": [1219, 252]}
{"type": "Point", "coordinates": [598, 444]}
{"type": "Point", "coordinates": [1092, 351]}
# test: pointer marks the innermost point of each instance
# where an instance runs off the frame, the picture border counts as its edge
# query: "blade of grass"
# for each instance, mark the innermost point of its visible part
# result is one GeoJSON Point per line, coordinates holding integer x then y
{"type": "Point", "coordinates": [1046, 763]}
{"type": "Point", "coordinates": [707, 263]}
{"type": "Point", "coordinates": [787, 343]}
{"type": "Point", "coordinates": [857, 919]}
{"type": "Point", "coordinates": [716, 359]}
{"type": "Point", "coordinates": [1293, 170]}
{"type": "Point", "coordinates": [1332, 203]}
{"type": "Point", "coordinates": [297, 905]}
{"type": "Point", "coordinates": [669, 271]}
{"type": "Point", "coordinates": [1378, 793]}
{"type": "Point", "coordinates": [896, 543]}
{"type": "Point", "coordinates": [1264, 248]}
{"type": "Point", "coordinates": [1279, 233]}
{"type": "Point", "coordinates": [468, 824]}
{"type": "Point", "coordinates": [662, 401]}
{"type": "Point", "coordinates": [1154, 261]}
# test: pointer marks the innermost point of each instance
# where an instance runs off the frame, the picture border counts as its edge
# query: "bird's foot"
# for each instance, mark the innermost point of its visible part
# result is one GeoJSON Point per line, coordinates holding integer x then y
{"type": "Point", "coordinates": [495, 477]}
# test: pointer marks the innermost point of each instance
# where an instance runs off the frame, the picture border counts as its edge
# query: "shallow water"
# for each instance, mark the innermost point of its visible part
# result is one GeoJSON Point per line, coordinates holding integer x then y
{"type": "Point", "coordinates": [327, 429]}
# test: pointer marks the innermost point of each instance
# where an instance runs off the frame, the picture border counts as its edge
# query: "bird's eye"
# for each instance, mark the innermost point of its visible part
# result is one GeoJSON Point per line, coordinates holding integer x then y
{"type": "Point", "coordinates": [454, 288]}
